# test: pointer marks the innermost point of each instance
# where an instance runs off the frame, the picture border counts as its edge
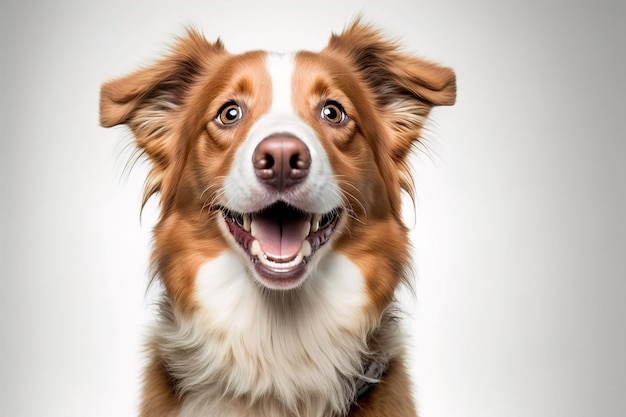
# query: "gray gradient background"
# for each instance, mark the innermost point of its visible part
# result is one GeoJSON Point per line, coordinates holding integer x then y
{"type": "Point", "coordinates": [519, 232]}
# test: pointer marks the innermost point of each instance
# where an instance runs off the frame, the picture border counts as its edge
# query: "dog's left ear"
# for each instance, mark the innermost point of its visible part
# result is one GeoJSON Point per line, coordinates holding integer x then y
{"type": "Point", "coordinates": [405, 87]}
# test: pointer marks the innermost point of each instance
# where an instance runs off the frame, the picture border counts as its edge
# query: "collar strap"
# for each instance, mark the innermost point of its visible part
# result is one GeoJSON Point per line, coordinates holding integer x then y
{"type": "Point", "coordinates": [374, 370]}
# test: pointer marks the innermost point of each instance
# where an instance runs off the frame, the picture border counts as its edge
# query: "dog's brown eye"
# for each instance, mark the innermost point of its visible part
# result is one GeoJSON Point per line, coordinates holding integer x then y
{"type": "Point", "coordinates": [333, 113]}
{"type": "Point", "coordinates": [229, 114]}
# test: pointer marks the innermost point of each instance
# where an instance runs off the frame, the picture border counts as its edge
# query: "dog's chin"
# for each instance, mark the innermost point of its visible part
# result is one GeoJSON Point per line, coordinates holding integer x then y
{"type": "Point", "coordinates": [280, 243]}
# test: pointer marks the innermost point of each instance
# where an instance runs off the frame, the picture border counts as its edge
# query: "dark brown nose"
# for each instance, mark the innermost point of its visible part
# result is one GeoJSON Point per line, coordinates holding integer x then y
{"type": "Point", "coordinates": [281, 161]}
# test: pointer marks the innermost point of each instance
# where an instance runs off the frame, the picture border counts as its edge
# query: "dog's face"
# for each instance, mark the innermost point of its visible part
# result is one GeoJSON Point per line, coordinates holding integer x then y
{"type": "Point", "coordinates": [280, 199]}
{"type": "Point", "coordinates": [280, 157]}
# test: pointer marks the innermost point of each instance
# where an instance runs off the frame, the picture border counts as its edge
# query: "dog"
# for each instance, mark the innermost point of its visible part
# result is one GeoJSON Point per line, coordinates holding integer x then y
{"type": "Point", "coordinates": [280, 242]}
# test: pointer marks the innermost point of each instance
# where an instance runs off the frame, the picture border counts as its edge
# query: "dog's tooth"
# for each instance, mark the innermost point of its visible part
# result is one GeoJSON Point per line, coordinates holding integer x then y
{"type": "Point", "coordinates": [246, 222]}
{"type": "Point", "coordinates": [255, 249]}
{"type": "Point", "coordinates": [253, 227]}
{"type": "Point", "coordinates": [306, 249]}
{"type": "Point", "coordinates": [315, 223]}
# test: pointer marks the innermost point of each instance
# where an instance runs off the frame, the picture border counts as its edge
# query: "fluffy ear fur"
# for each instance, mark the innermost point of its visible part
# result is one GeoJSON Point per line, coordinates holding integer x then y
{"type": "Point", "coordinates": [148, 102]}
{"type": "Point", "coordinates": [405, 87]}
{"type": "Point", "coordinates": [392, 72]}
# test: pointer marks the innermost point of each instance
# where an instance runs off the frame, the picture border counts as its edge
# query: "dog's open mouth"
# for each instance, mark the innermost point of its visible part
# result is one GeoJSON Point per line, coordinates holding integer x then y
{"type": "Point", "coordinates": [281, 240]}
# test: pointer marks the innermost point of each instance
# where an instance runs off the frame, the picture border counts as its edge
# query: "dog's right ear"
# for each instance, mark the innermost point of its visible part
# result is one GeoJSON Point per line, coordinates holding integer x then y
{"type": "Point", "coordinates": [148, 100]}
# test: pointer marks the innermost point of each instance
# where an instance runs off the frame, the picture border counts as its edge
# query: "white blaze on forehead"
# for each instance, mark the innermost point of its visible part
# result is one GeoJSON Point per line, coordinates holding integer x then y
{"type": "Point", "coordinates": [281, 68]}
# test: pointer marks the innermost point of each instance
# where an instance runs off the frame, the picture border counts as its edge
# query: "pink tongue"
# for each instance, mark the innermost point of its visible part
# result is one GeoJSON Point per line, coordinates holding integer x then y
{"type": "Point", "coordinates": [281, 240]}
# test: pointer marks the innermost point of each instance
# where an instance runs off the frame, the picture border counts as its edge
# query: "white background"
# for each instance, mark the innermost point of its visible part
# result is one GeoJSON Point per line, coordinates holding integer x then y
{"type": "Point", "coordinates": [520, 229]}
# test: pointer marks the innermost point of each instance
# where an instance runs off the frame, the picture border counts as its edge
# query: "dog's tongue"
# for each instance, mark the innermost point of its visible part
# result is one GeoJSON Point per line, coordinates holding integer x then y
{"type": "Point", "coordinates": [280, 237]}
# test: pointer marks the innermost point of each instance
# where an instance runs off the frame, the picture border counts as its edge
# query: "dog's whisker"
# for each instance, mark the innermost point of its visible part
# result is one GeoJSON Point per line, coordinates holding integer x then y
{"type": "Point", "coordinates": [348, 197]}
{"type": "Point", "coordinates": [215, 193]}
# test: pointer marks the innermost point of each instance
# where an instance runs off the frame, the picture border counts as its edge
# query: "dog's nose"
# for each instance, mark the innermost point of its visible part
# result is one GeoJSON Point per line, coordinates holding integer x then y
{"type": "Point", "coordinates": [281, 161]}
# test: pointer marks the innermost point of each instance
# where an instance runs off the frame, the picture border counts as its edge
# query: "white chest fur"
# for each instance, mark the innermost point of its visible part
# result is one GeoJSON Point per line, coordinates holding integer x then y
{"type": "Point", "coordinates": [275, 353]}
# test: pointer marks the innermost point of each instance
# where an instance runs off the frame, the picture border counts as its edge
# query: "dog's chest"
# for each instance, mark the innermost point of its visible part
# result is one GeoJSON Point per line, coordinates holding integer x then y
{"type": "Point", "coordinates": [247, 350]}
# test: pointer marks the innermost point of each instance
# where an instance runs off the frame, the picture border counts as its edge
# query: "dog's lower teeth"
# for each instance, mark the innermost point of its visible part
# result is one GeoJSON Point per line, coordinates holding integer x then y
{"type": "Point", "coordinates": [255, 249]}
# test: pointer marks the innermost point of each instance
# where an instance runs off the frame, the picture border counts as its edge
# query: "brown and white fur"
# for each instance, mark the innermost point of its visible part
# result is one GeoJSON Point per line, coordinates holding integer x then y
{"type": "Point", "coordinates": [280, 241]}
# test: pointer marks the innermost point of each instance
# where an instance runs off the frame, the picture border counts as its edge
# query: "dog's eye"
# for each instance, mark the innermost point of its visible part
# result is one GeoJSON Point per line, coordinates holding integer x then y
{"type": "Point", "coordinates": [333, 113]}
{"type": "Point", "coordinates": [229, 114]}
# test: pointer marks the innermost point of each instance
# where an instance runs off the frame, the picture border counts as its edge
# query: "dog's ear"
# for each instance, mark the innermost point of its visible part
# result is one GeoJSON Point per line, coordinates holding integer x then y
{"type": "Point", "coordinates": [392, 72]}
{"type": "Point", "coordinates": [147, 101]}
{"type": "Point", "coordinates": [405, 87]}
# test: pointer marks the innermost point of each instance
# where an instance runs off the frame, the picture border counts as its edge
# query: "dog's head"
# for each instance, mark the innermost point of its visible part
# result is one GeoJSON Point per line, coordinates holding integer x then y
{"type": "Point", "coordinates": [280, 156]}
